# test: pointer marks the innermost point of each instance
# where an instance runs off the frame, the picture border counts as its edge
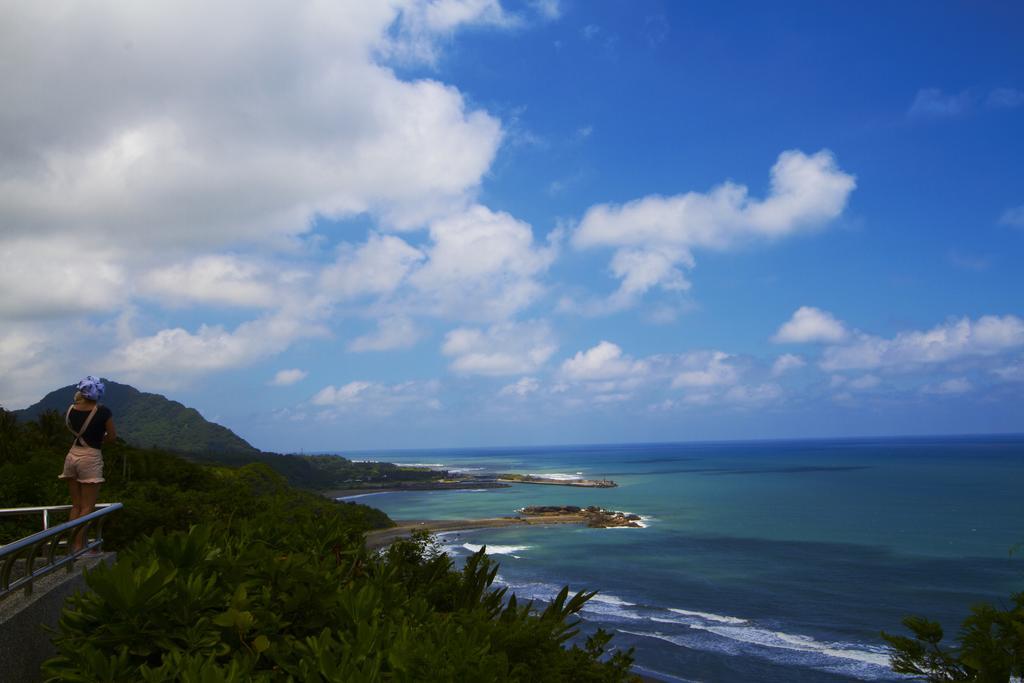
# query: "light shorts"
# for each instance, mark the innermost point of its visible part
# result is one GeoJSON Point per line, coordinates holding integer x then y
{"type": "Point", "coordinates": [84, 465]}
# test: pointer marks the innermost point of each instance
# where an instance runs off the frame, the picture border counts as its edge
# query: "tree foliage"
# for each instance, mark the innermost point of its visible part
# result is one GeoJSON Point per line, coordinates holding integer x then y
{"type": "Point", "coordinates": [990, 647]}
{"type": "Point", "coordinates": [160, 490]}
{"type": "Point", "coordinates": [227, 575]}
{"type": "Point", "coordinates": [295, 597]}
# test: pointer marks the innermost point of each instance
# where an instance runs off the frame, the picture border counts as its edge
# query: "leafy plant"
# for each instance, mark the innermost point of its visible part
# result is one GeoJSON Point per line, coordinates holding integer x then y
{"type": "Point", "coordinates": [990, 647]}
{"type": "Point", "coordinates": [280, 600]}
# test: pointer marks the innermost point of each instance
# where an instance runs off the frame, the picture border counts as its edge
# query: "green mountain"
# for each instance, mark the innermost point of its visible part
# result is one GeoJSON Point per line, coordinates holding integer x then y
{"type": "Point", "coordinates": [151, 420]}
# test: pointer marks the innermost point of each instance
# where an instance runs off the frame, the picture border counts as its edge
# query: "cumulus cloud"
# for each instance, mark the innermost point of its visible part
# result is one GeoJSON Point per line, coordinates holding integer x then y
{"type": "Point", "coordinates": [476, 264]}
{"type": "Point", "coordinates": [376, 398]}
{"type": "Point", "coordinates": [706, 369]}
{"type": "Point", "coordinates": [521, 388]}
{"type": "Point", "coordinates": [785, 363]}
{"type": "Point", "coordinates": [810, 324]}
{"type": "Point", "coordinates": [254, 130]}
{"type": "Point", "coordinates": [656, 234]}
{"type": "Point", "coordinates": [132, 167]}
{"type": "Point", "coordinates": [602, 362]}
{"type": "Point", "coordinates": [281, 116]}
{"type": "Point", "coordinates": [47, 279]}
{"type": "Point", "coordinates": [395, 332]}
{"type": "Point", "coordinates": [284, 378]}
{"type": "Point", "coordinates": [502, 349]}
{"type": "Point", "coordinates": [420, 24]}
{"type": "Point", "coordinates": [481, 264]}
{"type": "Point", "coordinates": [172, 356]}
{"type": "Point", "coordinates": [379, 266]}
{"type": "Point", "coordinates": [986, 336]}
{"type": "Point", "coordinates": [216, 279]}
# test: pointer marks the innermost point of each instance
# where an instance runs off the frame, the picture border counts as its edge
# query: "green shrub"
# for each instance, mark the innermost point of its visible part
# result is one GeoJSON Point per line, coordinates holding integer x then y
{"type": "Point", "coordinates": [300, 600]}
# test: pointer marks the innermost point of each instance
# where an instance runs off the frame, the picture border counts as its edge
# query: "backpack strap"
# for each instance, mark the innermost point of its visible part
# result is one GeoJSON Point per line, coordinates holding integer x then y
{"type": "Point", "coordinates": [85, 425]}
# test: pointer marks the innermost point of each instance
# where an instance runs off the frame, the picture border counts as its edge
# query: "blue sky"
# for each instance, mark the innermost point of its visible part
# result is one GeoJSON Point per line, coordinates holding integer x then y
{"type": "Point", "coordinates": [459, 222]}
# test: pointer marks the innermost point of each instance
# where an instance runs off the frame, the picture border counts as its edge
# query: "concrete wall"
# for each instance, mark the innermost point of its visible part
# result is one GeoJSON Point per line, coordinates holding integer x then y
{"type": "Point", "coordinates": [24, 643]}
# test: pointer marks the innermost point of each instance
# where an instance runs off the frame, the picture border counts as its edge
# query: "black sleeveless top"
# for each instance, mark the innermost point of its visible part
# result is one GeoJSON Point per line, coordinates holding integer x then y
{"type": "Point", "coordinates": [93, 436]}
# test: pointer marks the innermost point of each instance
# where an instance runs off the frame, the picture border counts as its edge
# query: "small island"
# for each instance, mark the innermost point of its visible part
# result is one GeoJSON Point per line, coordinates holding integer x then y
{"type": "Point", "coordinates": [593, 516]}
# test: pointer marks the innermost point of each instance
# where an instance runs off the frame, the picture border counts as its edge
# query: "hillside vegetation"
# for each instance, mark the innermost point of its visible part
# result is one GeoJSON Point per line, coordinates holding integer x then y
{"type": "Point", "coordinates": [232, 575]}
{"type": "Point", "coordinates": [150, 421]}
{"type": "Point", "coordinates": [154, 422]}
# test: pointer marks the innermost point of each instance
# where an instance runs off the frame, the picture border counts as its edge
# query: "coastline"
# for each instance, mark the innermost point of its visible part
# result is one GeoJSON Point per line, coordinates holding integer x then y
{"type": "Point", "coordinates": [344, 494]}
{"type": "Point", "coordinates": [381, 538]}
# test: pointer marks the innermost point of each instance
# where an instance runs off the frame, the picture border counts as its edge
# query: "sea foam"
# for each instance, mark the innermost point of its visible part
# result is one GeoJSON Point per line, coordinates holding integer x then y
{"type": "Point", "coordinates": [708, 616]}
{"type": "Point", "coordinates": [509, 550]}
{"type": "Point", "coordinates": [556, 476]}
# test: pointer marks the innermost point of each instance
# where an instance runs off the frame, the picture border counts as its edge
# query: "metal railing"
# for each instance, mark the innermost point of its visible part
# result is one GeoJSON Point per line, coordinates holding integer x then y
{"type": "Point", "coordinates": [47, 543]}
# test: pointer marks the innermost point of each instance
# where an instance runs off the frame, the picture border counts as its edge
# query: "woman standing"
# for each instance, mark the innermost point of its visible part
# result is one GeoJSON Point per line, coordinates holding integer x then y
{"type": "Point", "coordinates": [93, 425]}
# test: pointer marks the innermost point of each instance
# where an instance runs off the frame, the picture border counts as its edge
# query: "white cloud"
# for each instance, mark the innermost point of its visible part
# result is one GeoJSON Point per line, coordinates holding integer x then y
{"type": "Point", "coordinates": [1013, 217]}
{"type": "Point", "coordinates": [347, 394]}
{"type": "Point", "coordinates": [1013, 372]}
{"type": "Point", "coordinates": [521, 388]}
{"type": "Point", "coordinates": [172, 356]}
{"type": "Point", "coordinates": [760, 393]}
{"type": "Point", "coordinates": [932, 102]}
{"type": "Point", "coordinates": [481, 264]}
{"type": "Point", "coordinates": [396, 332]}
{"type": "Point", "coordinates": [641, 269]}
{"type": "Point", "coordinates": [281, 115]}
{"type": "Point", "coordinates": [285, 378]}
{"type": "Point", "coordinates": [986, 336]}
{"type": "Point", "coordinates": [478, 264]}
{"type": "Point", "coordinates": [375, 398]}
{"type": "Point", "coordinates": [602, 362]}
{"type": "Point", "coordinates": [204, 148]}
{"type": "Point", "coordinates": [957, 385]}
{"type": "Point", "coordinates": [655, 234]}
{"type": "Point", "coordinates": [502, 349]}
{"type": "Point", "coordinates": [807, 191]}
{"type": "Point", "coordinates": [810, 324]}
{"type": "Point", "coordinates": [69, 277]}
{"type": "Point", "coordinates": [379, 266]}
{"type": "Point", "coordinates": [215, 279]}
{"type": "Point", "coordinates": [548, 9]}
{"type": "Point", "coordinates": [421, 23]}
{"type": "Point", "coordinates": [785, 363]}
{"type": "Point", "coordinates": [705, 369]}
{"type": "Point", "coordinates": [30, 365]}
{"type": "Point", "coordinates": [864, 382]}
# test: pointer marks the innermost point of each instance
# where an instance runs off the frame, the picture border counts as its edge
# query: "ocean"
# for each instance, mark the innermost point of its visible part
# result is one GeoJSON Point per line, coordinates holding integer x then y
{"type": "Point", "coordinates": [759, 561]}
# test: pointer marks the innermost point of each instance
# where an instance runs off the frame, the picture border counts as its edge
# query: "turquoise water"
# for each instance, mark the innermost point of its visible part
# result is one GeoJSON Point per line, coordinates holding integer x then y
{"type": "Point", "coordinates": [760, 561]}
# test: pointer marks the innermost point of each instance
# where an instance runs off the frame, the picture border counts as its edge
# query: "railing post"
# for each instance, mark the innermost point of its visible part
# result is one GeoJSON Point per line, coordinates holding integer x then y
{"type": "Point", "coordinates": [46, 520]}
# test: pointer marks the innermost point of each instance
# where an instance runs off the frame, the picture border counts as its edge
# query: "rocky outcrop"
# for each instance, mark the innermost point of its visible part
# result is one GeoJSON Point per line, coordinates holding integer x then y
{"type": "Point", "coordinates": [592, 516]}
